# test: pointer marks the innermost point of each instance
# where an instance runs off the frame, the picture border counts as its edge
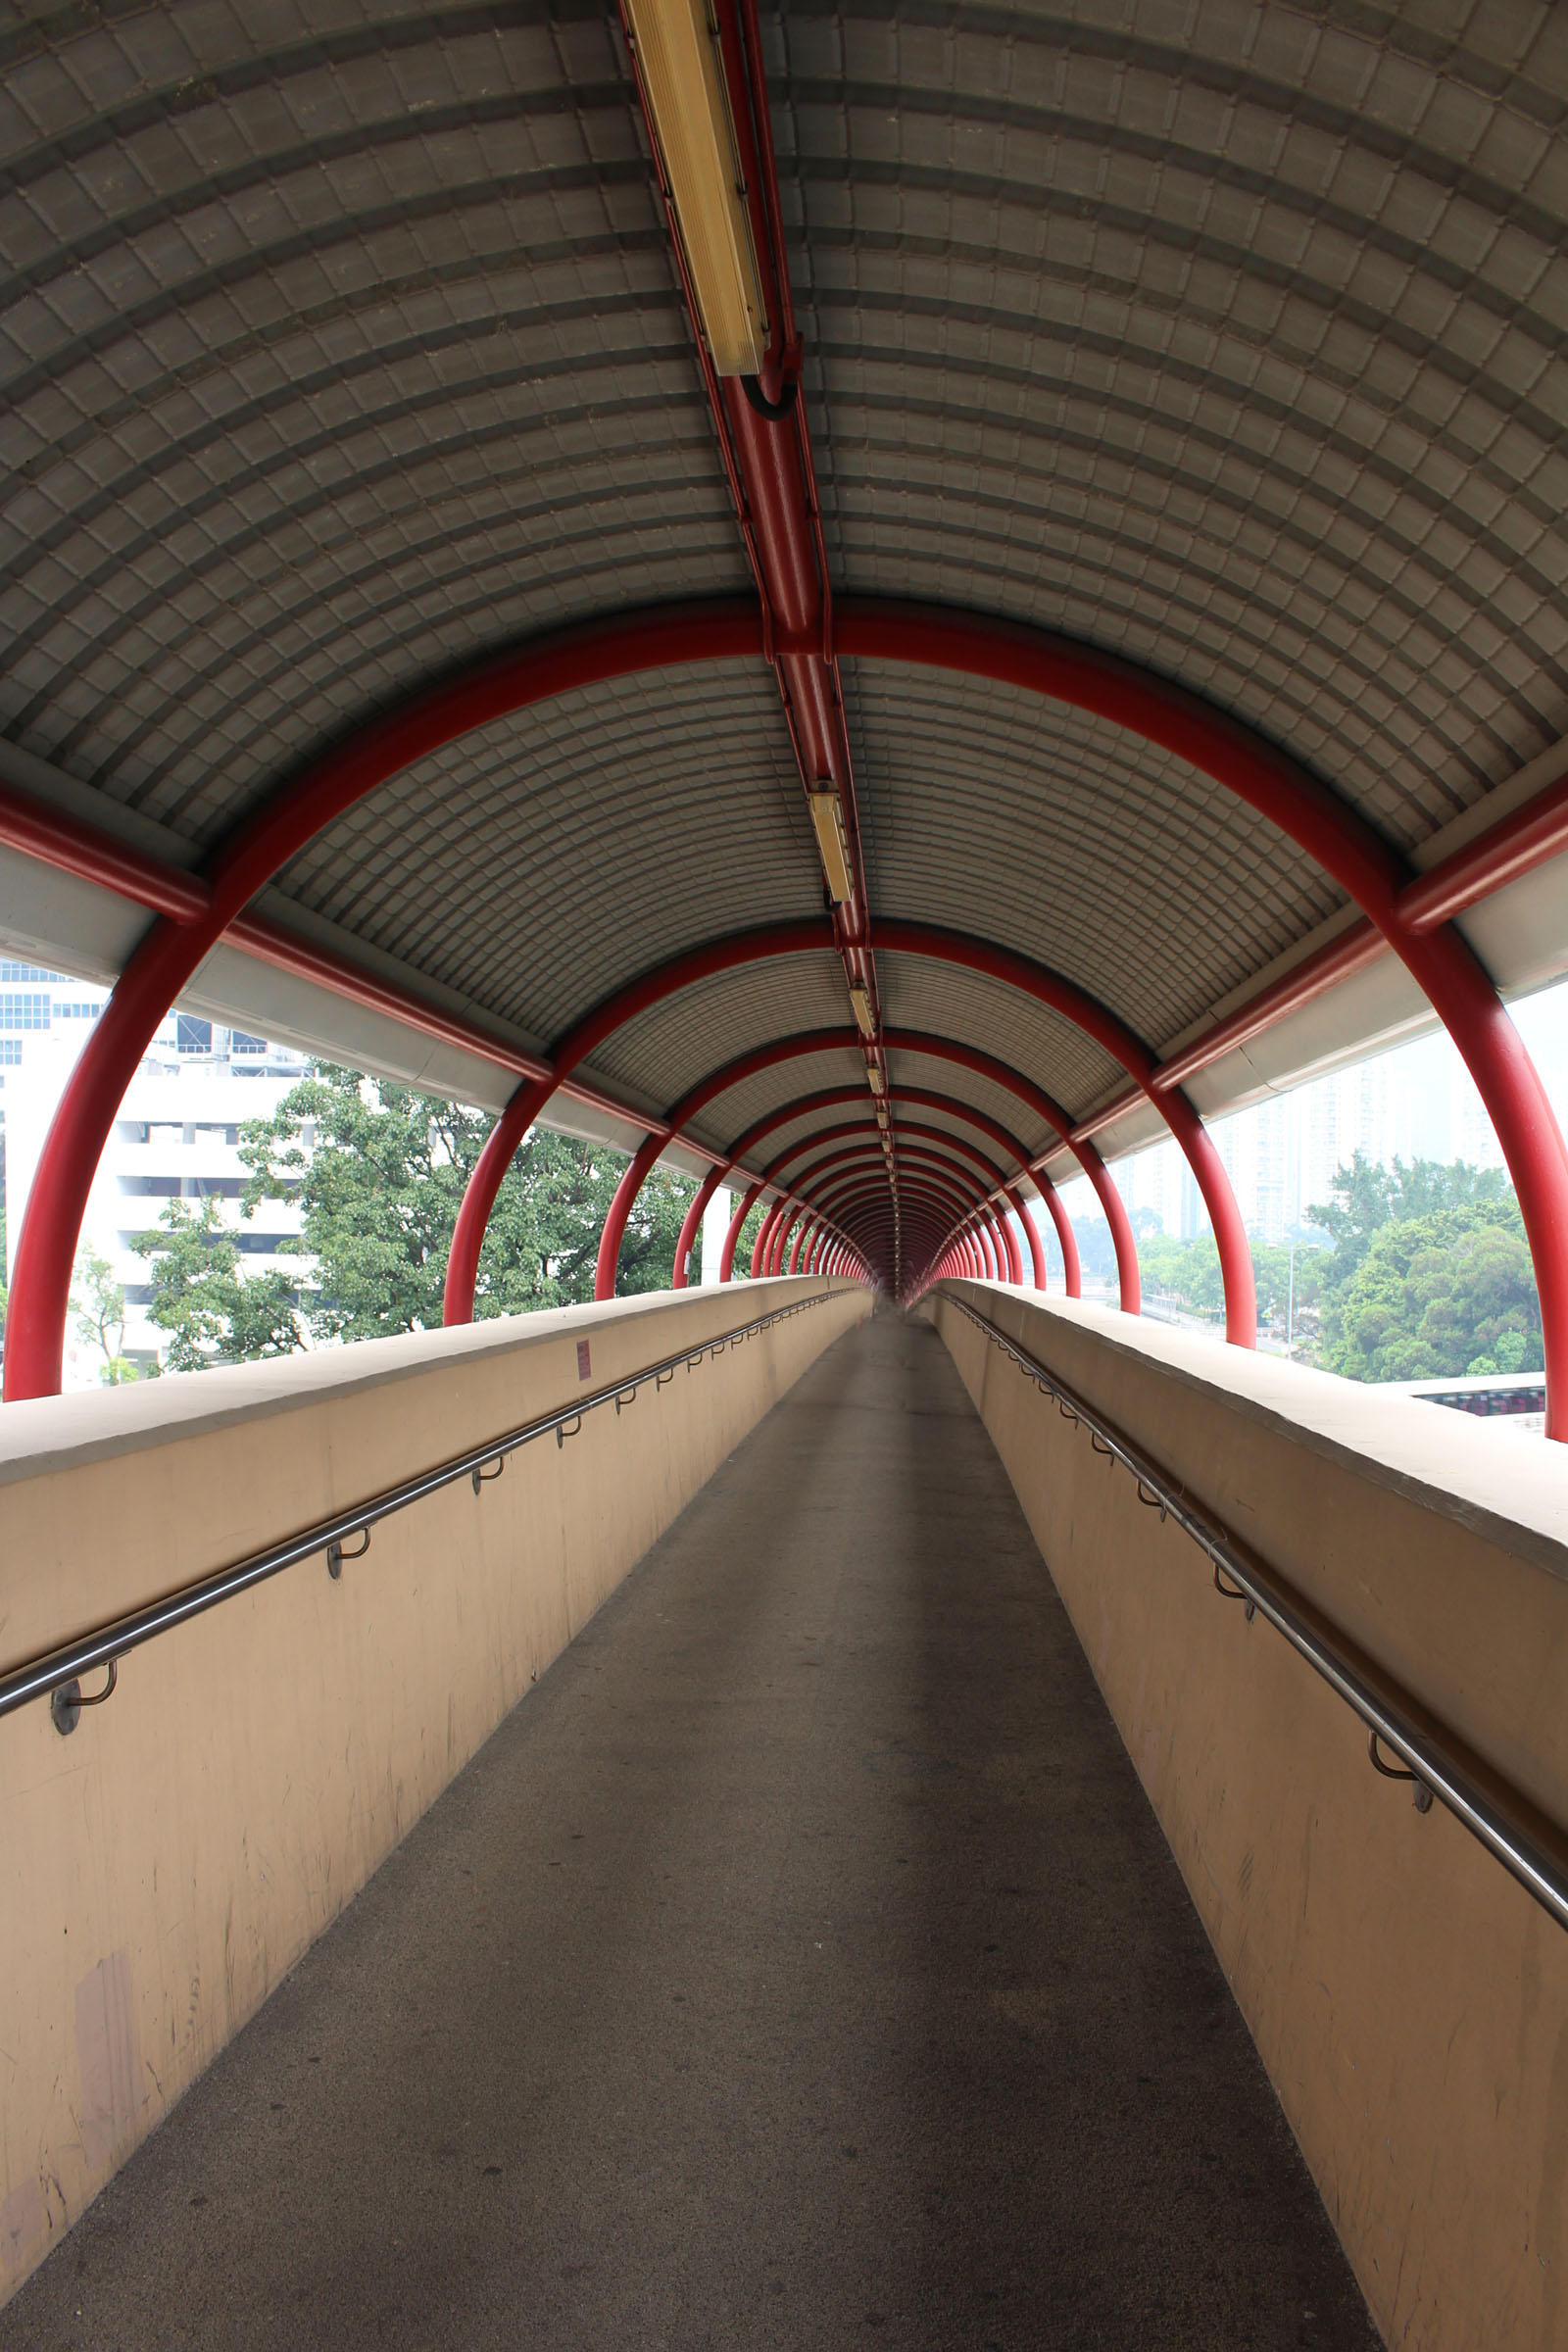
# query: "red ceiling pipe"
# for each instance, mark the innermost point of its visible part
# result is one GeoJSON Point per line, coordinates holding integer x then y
{"type": "Point", "coordinates": [989, 1251]}
{"type": "Point", "coordinates": [626, 1192]}
{"type": "Point", "coordinates": [806, 1234]}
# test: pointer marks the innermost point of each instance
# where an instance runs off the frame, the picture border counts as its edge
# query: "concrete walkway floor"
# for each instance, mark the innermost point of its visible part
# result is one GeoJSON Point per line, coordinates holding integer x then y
{"type": "Point", "coordinates": [800, 1966]}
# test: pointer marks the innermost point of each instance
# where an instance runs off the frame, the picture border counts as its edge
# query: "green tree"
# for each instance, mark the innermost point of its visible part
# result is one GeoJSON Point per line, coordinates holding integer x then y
{"type": "Point", "coordinates": [1368, 1197]}
{"type": "Point", "coordinates": [98, 1304]}
{"type": "Point", "coordinates": [1438, 1295]}
{"type": "Point", "coordinates": [379, 1175]}
{"type": "Point", "coordinates": [213, 1312]}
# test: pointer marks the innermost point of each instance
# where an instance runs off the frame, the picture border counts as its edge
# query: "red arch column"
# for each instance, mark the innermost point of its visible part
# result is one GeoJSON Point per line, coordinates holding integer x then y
{"type": "Point", "coordinates": [1010, 1241]}
{"type": "Point", "coordinates": [793, 1213]}
{"type": "Point", "coordinates": [690, 1223]}
{"type": "Point", "coordinates": [726, 1263]}
{"type": "Point", "coordinates": [765, 1236]}
{"type": "Point", "coordinates": [1037, 1255]}
{"type": "Point", "coordinates": [1066, 1239]}
{"type": "Point", "coordinates": [626, 1192]}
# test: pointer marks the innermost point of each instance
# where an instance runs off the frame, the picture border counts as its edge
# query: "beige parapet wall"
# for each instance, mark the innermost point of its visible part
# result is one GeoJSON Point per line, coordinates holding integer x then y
{"type": "Point", "coordinates": [165, 1864]}
{"type": "Point", "coordinates": [1409, 2000]}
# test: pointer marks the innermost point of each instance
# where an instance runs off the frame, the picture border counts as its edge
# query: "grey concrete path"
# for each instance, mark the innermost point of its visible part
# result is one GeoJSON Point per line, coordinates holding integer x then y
{"type": "Point", "coordinates": [800, 1966]}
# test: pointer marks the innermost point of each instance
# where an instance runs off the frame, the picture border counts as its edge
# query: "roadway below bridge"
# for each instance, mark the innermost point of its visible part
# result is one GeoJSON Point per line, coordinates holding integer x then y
{"type": "Point", "coordinates": [800, 1966]}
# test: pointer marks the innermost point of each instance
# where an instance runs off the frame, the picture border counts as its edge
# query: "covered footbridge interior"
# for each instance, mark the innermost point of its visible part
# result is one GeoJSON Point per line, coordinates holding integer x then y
{"type": "Point", "coordinates": [878, 605]}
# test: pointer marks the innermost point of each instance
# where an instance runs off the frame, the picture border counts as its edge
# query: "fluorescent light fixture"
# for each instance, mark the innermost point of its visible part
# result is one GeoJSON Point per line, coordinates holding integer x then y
{"type": "Point", "coordinates": [876, 1077]}
{"type": "Point", "coordinates": [684, 78]}
{"type": "Point", "coordinates": [827, 816]}
{"type": "Point", "coordinates": [860, 1006]}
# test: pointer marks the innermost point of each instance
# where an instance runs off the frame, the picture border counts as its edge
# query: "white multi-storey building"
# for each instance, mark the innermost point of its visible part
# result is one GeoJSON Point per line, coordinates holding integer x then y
{"type": "Point", "coordinates": [177, 1136]}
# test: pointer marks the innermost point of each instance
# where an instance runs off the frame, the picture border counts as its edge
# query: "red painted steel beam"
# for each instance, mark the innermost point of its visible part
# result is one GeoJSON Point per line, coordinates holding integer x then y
{"type": "Point", "coordinates": [864, 1199]}
{"type": "Point", "coordinates": [918, 1128]}
{"type": "Point", "coordinates": [1370, 869]}
{"type": "Point", "coordinates": [1108, 1031]}
{"type": "Point", "coordinates": [165, 962]}
{"type": "Point", "coordinates": [68, 845]}
{"type": "Point", "coordinates": [934, 1176]}
{"type": "Point", "coordinates": [765, 1233]}
{"type": "Point", "coordinates": [609, 1014]}
{"type": "Point", "coordinates": [693, 1218]}
{"type": "Point", "coordinates": [1327, 967]}
{"type": "Point", "coordinates": [867, 1131]}
{"type": "Point", "coordinates": [781, 1234]}
{"type": "Point", "coordinates": [726, 1263]}
{"type": "Point", "coordinates": [771, 473]}
{"type": "Point", "coordinates": [614, 1225]}
{"type": "Point", "coordinates": [863, 1156]}
{"type": "Point", "coordinates": [1503, 854]}
{"type": "Point", "coordinates": [1045, 1107]}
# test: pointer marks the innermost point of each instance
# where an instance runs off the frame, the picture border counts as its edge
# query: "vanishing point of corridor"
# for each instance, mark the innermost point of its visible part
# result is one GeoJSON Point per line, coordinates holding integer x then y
{"type": "Point", "coordinates": [800, 1965]}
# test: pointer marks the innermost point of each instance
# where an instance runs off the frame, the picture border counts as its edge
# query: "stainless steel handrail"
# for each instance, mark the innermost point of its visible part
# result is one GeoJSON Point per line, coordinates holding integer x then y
{"type": "Point", "coordinates": [42, 1677]}
{"type": "Point", "coordinates": [1513, 1828]}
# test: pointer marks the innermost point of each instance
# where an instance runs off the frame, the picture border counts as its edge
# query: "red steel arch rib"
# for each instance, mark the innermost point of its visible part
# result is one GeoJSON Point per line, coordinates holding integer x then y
{"type": "Point", "coordinates": [831, 1098]}
{"type": "Point", "coordinates": [868, 1143]}
{"type": "Point", "coordinates": [1012, 652]}
{"type": "Point", "coordinates": [1441, 962]}
{"type": "Point", "coordinates": [816, 1041]}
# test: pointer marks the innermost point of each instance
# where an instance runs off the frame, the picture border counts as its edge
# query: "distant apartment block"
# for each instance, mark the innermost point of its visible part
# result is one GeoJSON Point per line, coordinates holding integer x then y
{"type": "Point", "coordinates": [177, 1137]}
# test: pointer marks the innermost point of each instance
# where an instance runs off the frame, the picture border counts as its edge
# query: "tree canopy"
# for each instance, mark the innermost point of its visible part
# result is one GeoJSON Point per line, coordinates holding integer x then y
{"type": "Point", "coordinates": [378, 1172]}
{"type": "Point", "coordinates": [1427, 1275]}
{"type": "Point", "coordinates": [211, 1311]}
{"type": "Point", "coordinates": [1430, 1274]}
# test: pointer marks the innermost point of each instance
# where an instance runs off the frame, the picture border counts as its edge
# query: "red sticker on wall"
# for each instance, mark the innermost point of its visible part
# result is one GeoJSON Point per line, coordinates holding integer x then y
{"type": "Point", "coordinates": [584, 1364]}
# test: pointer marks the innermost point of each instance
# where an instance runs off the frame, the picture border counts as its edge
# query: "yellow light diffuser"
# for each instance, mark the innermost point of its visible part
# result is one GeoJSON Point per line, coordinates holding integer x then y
{"type": "Point", "coordinates": [827, 816]}
{"type": "Point", "coordinates": [682, 77]}
{"type": "Point", "coordinates": [875, 1076]}
{"type": "Point", "coordinates": [860, 1005]}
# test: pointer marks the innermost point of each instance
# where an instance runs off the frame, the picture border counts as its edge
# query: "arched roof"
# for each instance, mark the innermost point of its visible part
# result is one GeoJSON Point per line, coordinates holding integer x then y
{"type": "Point", "coordinates": [342, 344]}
